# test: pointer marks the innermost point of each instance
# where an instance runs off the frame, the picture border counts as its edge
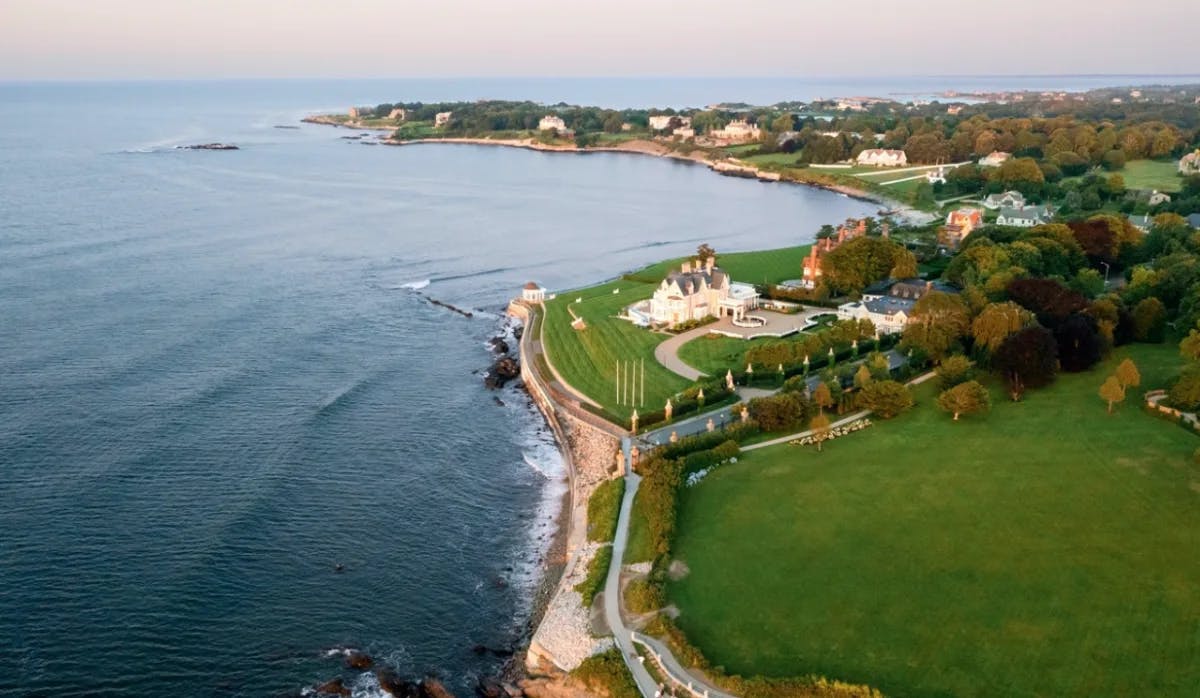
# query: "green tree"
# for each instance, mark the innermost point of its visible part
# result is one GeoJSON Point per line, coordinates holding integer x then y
{"type": "Point", "coordinates": [1185, 392]}
{"type": "Point", "coordinates": [1189, 348]}
{"type": "Point", "coordinates": [1149, 320]}
{"type": "Point", "coordinates": [862, 376]}
{"type": "Point", "coordinates": [885, 398]}
{"type": "Point", "coordinates": [1112, 392]}
{"type": "Point", "coordinates": [705, 252]}
{"type": "Point", "coordinates": [854, 265]}
{"type": "Point", "coordinates": [953, 371]}
{"type": "Point", "coordinates": [1128, 375]}
{"type": "Point", "coordinates": [938, 321]}
{"type": "Point", "coordinates": [822, 396]}
{"type": "Point", "coordinates": [996, 322]}
{"type": "Point", "coordinates": [820, 429]}
{"type": "Point", "coordinates": [783, 123]}
{"type": "Point", "coordinates": [965, 398]}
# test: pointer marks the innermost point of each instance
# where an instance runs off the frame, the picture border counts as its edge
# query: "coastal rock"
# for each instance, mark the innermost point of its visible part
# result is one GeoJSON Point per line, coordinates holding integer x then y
{"type": "Point", "coordinates": [432, 688]}
{"type": "Point", "coordinates": [334, 687]}
{"type": "Point", "coordinates": [501, 372]}
{"type": "Point", "coordinates": [392, 684]}
{"type": "Point", "coordinates": [358, 660]}
{"type": "Point", "coordinates": [208, 146]}
{"type": "Point", "coordinates": [498, 345]}
{"type": "Point", "coordinates": [489, 688]}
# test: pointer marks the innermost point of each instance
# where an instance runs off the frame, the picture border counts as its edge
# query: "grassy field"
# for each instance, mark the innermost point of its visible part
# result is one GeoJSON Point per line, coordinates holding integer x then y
{"type": "Point", "coordinates": [1152, 174]}
{"type": "Point", "coordinates": [1045, 549]}
{"type": "Point", "coordinates": [714, 354]}
{"type": "Point", "coordinates": [588, 358]}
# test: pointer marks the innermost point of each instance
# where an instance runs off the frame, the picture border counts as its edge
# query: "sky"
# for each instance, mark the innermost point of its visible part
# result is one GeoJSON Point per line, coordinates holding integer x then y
{"type": "Point", "coordinates": [213, 39]}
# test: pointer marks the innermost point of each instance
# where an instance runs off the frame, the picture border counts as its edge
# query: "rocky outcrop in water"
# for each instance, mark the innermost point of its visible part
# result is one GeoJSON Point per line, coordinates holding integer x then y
{"type": "Point", "coordinates": [393, 685]}
{"type": "Point", "coordinates": [208, 146]}
{"type": "Point", "coordinates": [501, 372]}
{"type": "Point", "coordinates": [358, 660]}
{"type": "Point", "coordinates": [432, 688]}
{"type": "Point", "coordinates": [334, 687]}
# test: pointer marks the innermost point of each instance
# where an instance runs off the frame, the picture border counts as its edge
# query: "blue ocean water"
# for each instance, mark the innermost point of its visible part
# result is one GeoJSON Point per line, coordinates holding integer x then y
{"type": "Point", "coordinates": [218, 378]}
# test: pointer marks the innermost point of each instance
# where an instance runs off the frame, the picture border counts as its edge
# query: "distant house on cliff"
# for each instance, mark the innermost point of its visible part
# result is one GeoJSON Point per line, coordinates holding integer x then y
{"type": "Point", "coordinates": [554, 123]}
{"type": "Point", "coordinates": [1190, 164]}
{"type": "Point", "coordinates": [398, 114]}
{"type": "Point", "coordinates": [994, 159]}
{"type": "Point", "coordinates": [737, 131]}
{"type": "Point", "coordinates": [532, 293]}
{"type": "Point", "coordinates": [880, 157]}
{"type": "Point", "coordinates": [663, 122]}
{"type": "Point", "coordinates": [354, 112]}
{"type": "Point", "coordinates": [442, 118]}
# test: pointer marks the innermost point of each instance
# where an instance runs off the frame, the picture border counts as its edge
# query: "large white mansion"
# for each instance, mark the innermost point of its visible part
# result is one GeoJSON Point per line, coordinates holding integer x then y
{"type": "Point", "coordinates": [694, 292]}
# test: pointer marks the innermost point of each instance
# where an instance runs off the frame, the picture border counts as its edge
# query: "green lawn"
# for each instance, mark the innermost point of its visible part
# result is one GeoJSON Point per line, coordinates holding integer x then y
{"type": "Point", "coordinates": [714, 354]}
{"type": "Point", "coordinates": [1152, 174]}
{"type": "Point", "coordinates": [587, 359]}
{"type": "Point", "coordinates": [1045, 549]}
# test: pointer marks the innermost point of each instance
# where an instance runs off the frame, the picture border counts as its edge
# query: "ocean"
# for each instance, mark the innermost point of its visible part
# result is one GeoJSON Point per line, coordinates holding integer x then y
{"type": "Point", "coordinates": [221, 375]}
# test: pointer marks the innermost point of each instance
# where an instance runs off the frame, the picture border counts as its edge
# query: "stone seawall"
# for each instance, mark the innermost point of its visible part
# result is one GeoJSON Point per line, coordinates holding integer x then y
{"type": "Point", "coordinates": [567, 634]}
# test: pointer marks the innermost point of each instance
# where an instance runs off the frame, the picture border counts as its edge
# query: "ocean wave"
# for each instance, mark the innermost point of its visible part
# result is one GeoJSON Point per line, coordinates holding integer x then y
{"type": "Point", "coordinates": [416, 285]}
{"type": "Point", "coordinates": [473, 275]}
{"type": "Point", "coordinates": [341, 396]}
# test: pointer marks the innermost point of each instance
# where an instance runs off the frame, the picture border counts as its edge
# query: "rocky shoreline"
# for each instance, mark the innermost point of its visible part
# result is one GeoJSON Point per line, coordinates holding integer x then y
{"type": "Point", "coordinates": [731, 168]}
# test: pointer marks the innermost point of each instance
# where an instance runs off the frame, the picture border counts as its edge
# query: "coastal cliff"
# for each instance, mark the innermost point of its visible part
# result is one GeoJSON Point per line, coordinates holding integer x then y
{"type": "Point", "coordinates": [568, 631]}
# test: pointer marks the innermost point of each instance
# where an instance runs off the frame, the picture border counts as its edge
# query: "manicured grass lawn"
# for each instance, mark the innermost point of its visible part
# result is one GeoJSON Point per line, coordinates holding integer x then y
{"type": "Point", "coordinates": [714, 354]}
{"type": "Point", "coordinates": [1152, 174]}
{"type": "Point", "coordinates": [587, 359]}
{"type": "Point", "coordinates": [1044, 549]}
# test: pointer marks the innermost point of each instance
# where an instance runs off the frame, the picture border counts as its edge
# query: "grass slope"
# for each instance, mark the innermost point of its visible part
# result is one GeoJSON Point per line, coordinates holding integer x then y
{"type": "Point", "coordinates": [1152, 174]}
{"type": "Point", "coordinates": [1044, 549]}
{"type": "Point", "coordinates": [587, 359]}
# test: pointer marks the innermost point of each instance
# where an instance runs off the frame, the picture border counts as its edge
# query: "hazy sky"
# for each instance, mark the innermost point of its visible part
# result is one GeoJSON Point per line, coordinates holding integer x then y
{"type": "Point", "coordinates": [98, 39]}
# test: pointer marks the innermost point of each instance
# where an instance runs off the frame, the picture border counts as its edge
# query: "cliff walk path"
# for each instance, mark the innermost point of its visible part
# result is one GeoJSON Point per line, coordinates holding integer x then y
{"type": "Point", "coordinates": [625, 637]}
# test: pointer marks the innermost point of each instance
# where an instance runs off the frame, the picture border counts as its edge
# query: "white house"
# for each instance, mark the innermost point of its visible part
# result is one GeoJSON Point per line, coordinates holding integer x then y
{"type": "Point", "coordinates": [937, 176]}
{"type": "Point", "coordinates": [695, 292]}
{"type": "Point", "coordinates": [1157, 197]}
{"type": "Point", "coordinates": [994, 159]}
{"type": "Point", "coordinates": [551, 122]}
{"type": "Point", "coordinates": [1009, 199]}
{"type": "Point", "coordinates": [662, 122]}
{"type": "Point", "coordinates": [1026, 217]}
{"type": "Point", "coordinates": [737, 130]}
{"type": "Point", "coordinates": [442, 118]}
{"type": "Point", "coordinates": [532, 293]}
{"type": "Point", "coordinates": [398, 114]}
{"type": "Point", "coordinates": [1142, 223]}
{"type": "Point", "coordinates": [880, 157]}
{"type": "Point", "coordinates": [684, 133]}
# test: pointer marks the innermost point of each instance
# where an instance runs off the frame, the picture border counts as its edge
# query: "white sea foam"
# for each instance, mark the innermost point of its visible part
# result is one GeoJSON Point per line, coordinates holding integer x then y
{"type": "Point", "coordinates": [541, 454]}
{"type": "Point", "coordinates": [415, 285]}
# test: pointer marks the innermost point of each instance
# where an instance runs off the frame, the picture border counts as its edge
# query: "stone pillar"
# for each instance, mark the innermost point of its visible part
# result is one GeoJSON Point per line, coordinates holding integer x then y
{"type": "Point", "coordinates": [674, 437]}
{"type": "Point", "coordinates": [668, 409]}
{"type": "Point", "coordinates": [745, 414]}
{"type": "Point", "coordinates": [620, 462]}
{"type": "Point", "coordinates": [635, 455]}
{"type": "Point", "coordinates": [710, 426]}
{"type": "Point", "coordinates": [633, 420]}
{"type": "Point", "coordinates": [729, 379]}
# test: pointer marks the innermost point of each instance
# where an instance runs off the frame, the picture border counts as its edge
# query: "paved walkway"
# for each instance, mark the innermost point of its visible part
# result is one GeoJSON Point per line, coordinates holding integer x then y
{"type": "Point", "coordinates": [625, 637]}
{"type": "Point", "coordinates": [778, 324]}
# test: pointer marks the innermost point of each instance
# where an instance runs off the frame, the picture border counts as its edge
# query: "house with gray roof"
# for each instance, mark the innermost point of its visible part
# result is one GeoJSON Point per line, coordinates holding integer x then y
{"type": "Point", "coordinates": [889, 304]}
{"type": "Point", "coordinates": [1025, 217]}
{"type": "Point", "coordinates": [1009, 199]}
{"type": "Point", "coordinates": [1194, 220]}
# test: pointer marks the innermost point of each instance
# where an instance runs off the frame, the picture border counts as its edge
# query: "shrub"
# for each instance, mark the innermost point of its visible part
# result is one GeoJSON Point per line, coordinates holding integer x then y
{"type": "Point", "coordinates": [700, 460]}
{"type": "Point", "coordinates": [597, 572]}
{"type": "Point", "coordinates": [708, 440]}
{"type": "Point", "coordinates": [606, 673]}
{"type": "Point", "coordinates": [603, 507]}
{"type": "Point", "coordinates": [657, 501]}
{"type": "Point", "coordinates": [953, 371]}
{"type": "Point", "coordinates": [643, 596]}
{"type": "Point", "coordinates": [1149, 320]}
{"type": "Point", "coordinates": [885, 398]}
{"type": "Point", "coordinates": [779, 412]}
{"type": "Point", "coordinates": [1185, 393]}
